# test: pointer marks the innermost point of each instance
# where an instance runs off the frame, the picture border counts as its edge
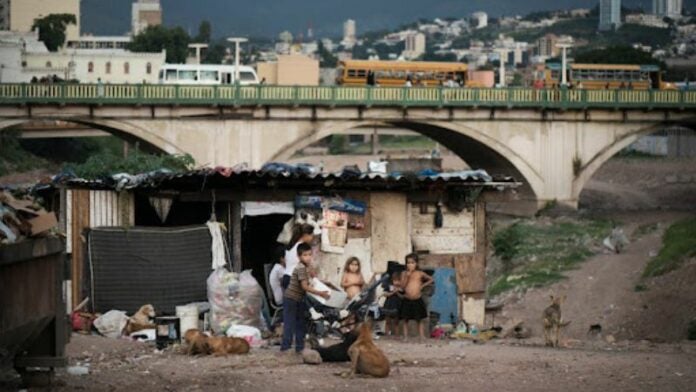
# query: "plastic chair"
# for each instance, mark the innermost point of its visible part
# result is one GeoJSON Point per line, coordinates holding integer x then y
{"type": "Point", "coordinates": [277, 310]}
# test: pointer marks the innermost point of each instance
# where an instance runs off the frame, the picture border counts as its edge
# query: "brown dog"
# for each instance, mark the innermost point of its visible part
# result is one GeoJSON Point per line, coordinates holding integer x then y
{"type": "Point", "coordinates": [196, 342]}
{"type": "Point", "coordinates": [140, 320]}
{"type": "Point", "coordinates": [365, 357]}
{"type": "Point", "coordinates": [553, 321]}
{"type": "Point", "coordinates": [222, 345]}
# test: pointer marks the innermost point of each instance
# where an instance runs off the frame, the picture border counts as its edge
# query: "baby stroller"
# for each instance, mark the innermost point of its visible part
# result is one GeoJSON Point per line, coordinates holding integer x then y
{"type": "Point", "coordinates": [324, 320]}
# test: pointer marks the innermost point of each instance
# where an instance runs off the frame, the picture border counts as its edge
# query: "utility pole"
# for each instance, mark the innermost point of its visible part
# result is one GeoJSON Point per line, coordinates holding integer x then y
{"type": "Point", "coordinates": [198, 48]}
{"type": "Point", "coordinates": [501, 72]}
{"type": "Point", "coordinates": [564, 62]}
{"type": "Point", "coordinates": [237, 41]}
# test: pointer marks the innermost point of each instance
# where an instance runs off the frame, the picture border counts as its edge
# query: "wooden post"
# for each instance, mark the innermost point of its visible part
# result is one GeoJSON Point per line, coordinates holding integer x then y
{"type": "Point", "coordinates": [236, 236]}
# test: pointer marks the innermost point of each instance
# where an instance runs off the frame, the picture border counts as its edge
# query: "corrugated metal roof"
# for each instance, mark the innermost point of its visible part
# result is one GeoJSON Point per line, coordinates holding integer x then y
{"type": "Point", "coordinates": [228, 178]}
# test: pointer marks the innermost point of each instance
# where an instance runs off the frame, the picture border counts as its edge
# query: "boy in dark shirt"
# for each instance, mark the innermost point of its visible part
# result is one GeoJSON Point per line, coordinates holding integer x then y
{"type": "Point", "coordinates": [294, 323]}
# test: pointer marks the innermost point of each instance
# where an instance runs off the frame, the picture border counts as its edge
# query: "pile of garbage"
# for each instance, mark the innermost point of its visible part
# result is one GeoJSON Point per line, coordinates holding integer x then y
{"type": "Point", "coordinates": [22, 218]}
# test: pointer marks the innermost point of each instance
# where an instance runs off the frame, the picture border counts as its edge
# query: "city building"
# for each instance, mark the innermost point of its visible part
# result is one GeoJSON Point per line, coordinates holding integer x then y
{"type": "Point", "coordinates": [609, 14]}
{"type": "Point", "coordinates": [19, 15]}
{"type": "Point", "coordinates": [4, 14]}
{"type": "Point", "coordinates": [479, 20]}
{"type": "Point", "coordinates": [415, 46]}
{"type": "Point", "coordinates": [349, 37]}
{"type": "Point", "coordinates": [100, 42]}
{"type": "Point", "coordinates": [649, 20]}
{"type": "Point", "coordinates": [23, 57]}
{"type": "Point", "coordinates": [290, 70]}
{"type": "Point", "coordinates": [668, 8]}
{"type": "Point", "coordinates": [546, 46]}
{"type": "Point", "coordinates": [90, 65]}
{"type": "Point", "coordinates": [145, 13]}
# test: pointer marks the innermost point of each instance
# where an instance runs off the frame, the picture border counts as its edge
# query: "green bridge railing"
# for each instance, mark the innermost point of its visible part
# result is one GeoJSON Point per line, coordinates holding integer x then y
{"type": "Point", "coordinates": [155, 94]}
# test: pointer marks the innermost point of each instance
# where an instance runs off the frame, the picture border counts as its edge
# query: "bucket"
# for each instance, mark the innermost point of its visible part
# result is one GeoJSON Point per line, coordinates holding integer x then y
{"type": "Point", "coordinates": [188, 317]}
{"type": "Point", "coordinates": [168, 331]}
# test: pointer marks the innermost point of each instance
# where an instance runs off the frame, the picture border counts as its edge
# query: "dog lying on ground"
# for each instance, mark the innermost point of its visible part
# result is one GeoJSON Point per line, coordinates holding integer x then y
{"type": "Point", "coordinates": [198, 342]}
{"type": "Point", "coordinates": [365, 357]}
{"type": "Point", "coordinates": [339, 351]}
{"type": "Point", "coordinates": [140, 320]}
{"type": "Point", "coordinates": [553, 321]}
{"type": "Point", "coordinates": [222, 345]}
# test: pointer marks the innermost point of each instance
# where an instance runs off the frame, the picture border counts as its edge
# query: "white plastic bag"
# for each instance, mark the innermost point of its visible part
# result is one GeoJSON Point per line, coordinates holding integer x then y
{"type": "Point", "coordinates": [111, 323]}
{"type": "Point", "coordinates": [250, 334]}
{"type": "Point", "coordinates": [235, 299]}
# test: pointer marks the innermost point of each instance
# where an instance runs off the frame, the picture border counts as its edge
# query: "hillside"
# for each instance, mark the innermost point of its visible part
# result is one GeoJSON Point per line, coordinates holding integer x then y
{"type": "Point", "coordinates": [270, 17]}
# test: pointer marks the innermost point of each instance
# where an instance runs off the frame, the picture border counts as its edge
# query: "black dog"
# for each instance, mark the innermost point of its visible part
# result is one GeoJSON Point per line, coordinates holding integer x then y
{"type": "Point", "coordinates": [339, 351]}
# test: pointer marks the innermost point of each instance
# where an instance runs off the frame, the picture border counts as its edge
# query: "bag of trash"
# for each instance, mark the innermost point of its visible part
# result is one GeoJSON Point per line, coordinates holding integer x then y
{"type": "Point", "coordinates": [111, 323]}
{"type": "Point", "coordinates": [251, 334]}
{"type": "Point", "coordinates": [235, 299]}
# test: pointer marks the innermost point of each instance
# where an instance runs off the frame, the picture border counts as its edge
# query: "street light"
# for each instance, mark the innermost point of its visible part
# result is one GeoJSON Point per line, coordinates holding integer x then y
{"type": "Point", "coordinates": [237, 41]}
{"type": "Point", "coordinates": [564, 47]}
{"type": "Point", "coordinates": [503, 53]}
{"type": "Point", "coordinates": [198, 48]}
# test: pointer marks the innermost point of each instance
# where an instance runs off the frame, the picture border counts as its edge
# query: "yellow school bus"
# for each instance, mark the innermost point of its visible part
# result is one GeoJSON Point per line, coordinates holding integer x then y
{"type": "Point", "coordinates": [604, 76]}
{"type": "Point", "coordinates": [396, 73]}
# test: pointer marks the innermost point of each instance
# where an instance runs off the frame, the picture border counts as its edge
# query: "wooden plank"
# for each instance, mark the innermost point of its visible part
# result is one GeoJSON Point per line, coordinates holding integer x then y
{"type": "Point", "coordinates": [480, 229]}
{"type": "Point", "coordinates": [80, 221]}
{"type": "Point", "coordinates": [236, 236]}
{"type": "Point", "coordinates": [471, 273]}
{"type": "Point", "coordinates": [436, 261]}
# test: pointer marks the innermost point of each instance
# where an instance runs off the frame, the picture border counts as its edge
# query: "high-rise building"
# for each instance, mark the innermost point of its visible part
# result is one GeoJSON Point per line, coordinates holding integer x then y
{"type": "Point", "coordinates": [415, 46]}
{"type": "Point", "coordinates": [349, 38]}
{"type": "Point", "coordinates": [145, 13]}
{"type": "Point", "coordinates": [546, 46]}
{"type": "Point", "coordinates": [609, 14]}
{"type": "Point", "coordinates": [669, 8]}
{"type": "Point", "coordinates": [4, 14]}
{"type": "Point", "coordinates": [479, 20]}
{"type": "Point", "coordinates": [19, 15]}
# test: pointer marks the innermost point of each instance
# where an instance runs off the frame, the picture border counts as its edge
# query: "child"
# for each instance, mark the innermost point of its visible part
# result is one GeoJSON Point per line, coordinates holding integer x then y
{"type": "Point", "coordinates": [352, 281]}
{"type": "Point", "coordinates": [302, 234]}
{"type": "Point", "coordinates": [275, 278]}
{"type": "Point", "coordinates": [412, 306]}
{"type": "Point", "coordinates": [294, 307]}
{"type": "Point", "coordinates": [393, 304]}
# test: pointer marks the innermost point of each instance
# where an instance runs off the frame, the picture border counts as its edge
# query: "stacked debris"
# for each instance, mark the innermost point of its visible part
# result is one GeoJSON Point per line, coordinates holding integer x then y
{"type": "Point", "coordinates": [23, 217]}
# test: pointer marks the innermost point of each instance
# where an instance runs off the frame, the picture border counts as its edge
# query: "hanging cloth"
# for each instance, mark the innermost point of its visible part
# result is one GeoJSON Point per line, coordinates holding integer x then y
{"type": "Point", "coordinates": [218, 245]}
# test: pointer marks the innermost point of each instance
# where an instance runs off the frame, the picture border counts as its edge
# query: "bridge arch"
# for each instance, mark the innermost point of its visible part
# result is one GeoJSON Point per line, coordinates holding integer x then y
{"type": "Point", "coordinates": [122, 129]}
{"type": "Point", "coordinates": [589, 169]}
{"type": "Point", "coordinates": [470, 144]}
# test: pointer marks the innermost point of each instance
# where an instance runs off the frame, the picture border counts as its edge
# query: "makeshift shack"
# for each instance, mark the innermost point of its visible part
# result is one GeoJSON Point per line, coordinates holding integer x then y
{"type": "Point", "coordinates": [376, 217]}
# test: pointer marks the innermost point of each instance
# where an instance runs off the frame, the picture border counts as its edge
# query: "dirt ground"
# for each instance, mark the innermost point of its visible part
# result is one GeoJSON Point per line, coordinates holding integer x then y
{"type": "Point", "coordinates": [120, 365]}
{"type": "Point", "coordinates": [603, 291]}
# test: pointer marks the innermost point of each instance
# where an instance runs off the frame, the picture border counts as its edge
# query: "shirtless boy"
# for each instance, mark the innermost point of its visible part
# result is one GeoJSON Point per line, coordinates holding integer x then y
{"type": "Point", "coordinates": [412, 306]}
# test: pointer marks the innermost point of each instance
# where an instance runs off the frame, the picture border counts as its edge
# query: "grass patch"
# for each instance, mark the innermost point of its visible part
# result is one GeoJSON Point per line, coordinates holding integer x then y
{"type": "Point", "coordinates": [13, 158]}
{"type": "Point", "coordinates": [640, 287]}
{"type": "Point", "coordinates": [635, 154]}
{"type": "Point", "coordinates": [535, 253]}
{"type": "Point", "coordinates": [678, 244]}
{"type": "Point", "coordinates": [106, 164]}
{"type": "Point", "coordinates": [645, 229]}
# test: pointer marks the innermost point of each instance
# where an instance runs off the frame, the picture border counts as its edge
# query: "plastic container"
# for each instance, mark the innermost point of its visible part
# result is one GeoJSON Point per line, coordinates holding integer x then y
{"type": "Point", "coordinates": [188, 317]}
{"type": "Point", "coordinates": [168, 331]}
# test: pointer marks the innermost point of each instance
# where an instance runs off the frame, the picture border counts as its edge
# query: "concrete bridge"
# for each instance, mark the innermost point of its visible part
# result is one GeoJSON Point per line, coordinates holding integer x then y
{"type": "Point", "coordinates": [552, 140]}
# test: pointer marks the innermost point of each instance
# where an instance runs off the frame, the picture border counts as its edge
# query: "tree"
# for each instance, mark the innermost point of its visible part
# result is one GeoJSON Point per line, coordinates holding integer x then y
{"type": "Point", "coordinates": [52, 29]}
{"type": "Point", "coordinates": [155, 38]}
{"type": "Point", "coordinates": [204, 32]}
{"type": "Point", "coordinates": [326, 58]}
{"type": "Point", "coordinates": [619, 54]}
{"type": "Point", "coordinates": [215, 53]}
